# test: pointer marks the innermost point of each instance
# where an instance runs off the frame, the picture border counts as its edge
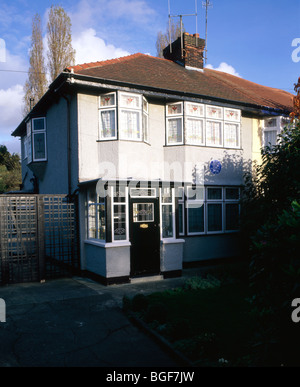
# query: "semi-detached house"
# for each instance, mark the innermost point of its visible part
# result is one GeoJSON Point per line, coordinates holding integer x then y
{"type": "Point", "coordinates": [156, 150]}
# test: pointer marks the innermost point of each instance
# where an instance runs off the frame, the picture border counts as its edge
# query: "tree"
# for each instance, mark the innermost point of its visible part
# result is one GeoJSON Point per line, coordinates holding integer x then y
{"type": "Point", "coordinates": [61, 53]}
{"type": "Point", "coordinates": [36, 85]}
{"type": "Point", "coordinates": [271, 224]}
{"type": "Point", "coordinates": [10, 170]}
{"type": "Point", "coordinates": [163, 39]}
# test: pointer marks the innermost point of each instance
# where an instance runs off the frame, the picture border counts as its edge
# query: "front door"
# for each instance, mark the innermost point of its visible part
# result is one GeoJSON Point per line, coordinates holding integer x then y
{"type": "Point", "coordinates": [144, 236]}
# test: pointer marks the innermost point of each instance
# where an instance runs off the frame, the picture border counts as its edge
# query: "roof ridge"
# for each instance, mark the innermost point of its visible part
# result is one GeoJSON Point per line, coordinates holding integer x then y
{"type": "Point", "coordinates": [246, 91]}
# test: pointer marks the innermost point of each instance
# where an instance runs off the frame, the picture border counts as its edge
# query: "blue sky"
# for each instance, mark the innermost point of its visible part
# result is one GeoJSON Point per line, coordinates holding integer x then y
{"type": "Point", "coordinates": [252, 39]}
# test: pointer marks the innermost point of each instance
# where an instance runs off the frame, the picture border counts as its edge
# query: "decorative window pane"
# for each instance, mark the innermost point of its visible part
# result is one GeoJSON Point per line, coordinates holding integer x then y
{"type": "Point", "coordinates": [214, 193]}
{"type": "Point", "coordinates": [174, 130]}
{"type": "Point", "coordinates": [39, 146]}
{"type": "Point", "coordinates": [213, 133]}
{"type": "Point", "coordinates": [270, 137]}
{"type": "Point", "coordinates": [107, 124]}
{"type": "Point", "coordinates": [38, 124]}
{"type": "Point", "coordinates": [231, 135]}
{"type": "Point", "coordinates": [130, 125]}
{"type": "Point", "coordinates": [167, 221]}
{"type": "Point", "coordinates": [270, 123]}
{"type": "Point", "coordinates": [143, 212]}
{"type": "Point", "coordinates": [174, 109]}
{"type": "Point", "coordinates": [231, 114]}
{"type": "Point", "coordinates": [232, 217]}
{"type": "Point", "coordinates": [119, 226]}
{"type": "Point", "coordinates": [130, 101]}
{"type": "Point", "coordinates": [108, 100]}
{"type": "Point", "coordinates": [194, 109]}
{"type": "Point", "coordinates": [214, 217]}
{"type": "Point", "coordinates": [232, 194]}
{"type": "Point", "coordinates": [195, 218]}
{"type": "Point", "coordinates": [194, 131]}
{"type": "Point", "coordinates": [214, 112]}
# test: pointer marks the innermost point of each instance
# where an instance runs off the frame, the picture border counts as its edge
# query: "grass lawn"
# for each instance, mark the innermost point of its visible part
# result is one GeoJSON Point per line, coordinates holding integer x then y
{"type": "Point", "coordinates": [208, 319]}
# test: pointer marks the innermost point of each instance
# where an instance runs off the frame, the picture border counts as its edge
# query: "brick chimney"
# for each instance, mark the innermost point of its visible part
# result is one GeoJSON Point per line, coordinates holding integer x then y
{"type": "Point", "coordinates": [191, 52]}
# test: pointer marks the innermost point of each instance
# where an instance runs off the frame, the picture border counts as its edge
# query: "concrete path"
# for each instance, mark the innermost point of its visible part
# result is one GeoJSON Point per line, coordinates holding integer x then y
{"type": "Point", "coordinates": [76, 322]}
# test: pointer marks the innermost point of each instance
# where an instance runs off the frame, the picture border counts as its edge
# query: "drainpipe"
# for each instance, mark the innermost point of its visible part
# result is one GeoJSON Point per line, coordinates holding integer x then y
{"type": "Point", "coordinates": [68, 143]}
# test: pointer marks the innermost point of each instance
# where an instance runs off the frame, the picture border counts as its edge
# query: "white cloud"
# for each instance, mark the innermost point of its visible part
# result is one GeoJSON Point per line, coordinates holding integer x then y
{"type": "Point", "coordinates": [90, 48]}
{"type": "Point", "coordinates": [225, 68]}
{"type": "Point", "coordinates": [11, 102]}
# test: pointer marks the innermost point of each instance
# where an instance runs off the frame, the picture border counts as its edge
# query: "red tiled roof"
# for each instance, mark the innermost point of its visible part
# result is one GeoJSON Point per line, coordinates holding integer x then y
{"type": "Point", "coordinates": [144, 70]}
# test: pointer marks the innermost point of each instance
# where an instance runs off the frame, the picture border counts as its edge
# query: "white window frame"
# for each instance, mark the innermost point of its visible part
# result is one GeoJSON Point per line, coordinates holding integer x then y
{"type": "Point", "coordinates": [95, 204]}
{"type": "Point", "coordinates": [231, 201]}
{"type": "Point", "coordinates": [125, 203]}
{"type": "Point", "coordinates": [152, 195]}
{"type": "Point", "coordinates": [30, 145]}
{"type": "Point", "coordinates": [172, 204]}
{"type": "Point", "coordinates": [108, 108]}
{"type": "Point", "coordinates": [221, 145]}
{"type": "Point", "coordinates": [190, 201]}
{"type": "Point", "coordinates": [137, 110]}
{"type": "Point", "coordinates": [181, 204]}
{"type": "Point", "coordinates": [215, 201]}
{"type": "Point", "coordinates": [238, 134]}
{"type": "Point", "coordinates": [174, 116]}
{"type": "Point", "coordinates": [231, 119]}
{"type": "Point", "coordinates": [146, 116]}
{"type": "Point", "coordinates": [212, 117]}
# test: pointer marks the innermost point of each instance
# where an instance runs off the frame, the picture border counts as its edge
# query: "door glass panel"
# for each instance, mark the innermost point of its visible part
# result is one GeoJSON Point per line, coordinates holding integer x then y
{"type": "Point", "coordinates": [143, 212]}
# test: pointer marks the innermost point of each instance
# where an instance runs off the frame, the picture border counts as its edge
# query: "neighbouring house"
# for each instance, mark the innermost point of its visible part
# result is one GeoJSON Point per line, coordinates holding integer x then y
{"type": "Point", "coordinates": [156, 150]}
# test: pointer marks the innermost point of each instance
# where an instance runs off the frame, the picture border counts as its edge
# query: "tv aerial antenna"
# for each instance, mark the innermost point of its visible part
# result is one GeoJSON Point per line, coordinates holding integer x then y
{"type": "Point", "coordinates": [206, 4]}
{"type": "Point", "coordinates": [180, 16]}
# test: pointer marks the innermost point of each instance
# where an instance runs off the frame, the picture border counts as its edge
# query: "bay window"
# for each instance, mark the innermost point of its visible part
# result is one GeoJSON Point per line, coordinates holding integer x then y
{"type": "Point", "coordinates": [34, 142]}
{"type": "Point", "coordinates": [197, 124]}
{"type": "Point", "coordinates": [123, 116]}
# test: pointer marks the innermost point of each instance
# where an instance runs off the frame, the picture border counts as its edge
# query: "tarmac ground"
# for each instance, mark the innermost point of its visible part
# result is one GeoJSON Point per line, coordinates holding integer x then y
{"type": "Point", "coordinates": [77, 322]}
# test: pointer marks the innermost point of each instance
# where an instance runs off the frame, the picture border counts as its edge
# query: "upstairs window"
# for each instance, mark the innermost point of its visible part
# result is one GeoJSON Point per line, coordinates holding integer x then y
{"type": "Point", "coordinates": [130, 124]}
{"type": "Point", "coordinates": [193, 123]}
{"type": "Point", "coordinates": [34, 143]}
{"type": "Point", "coordinates": [123, 116]}
{"type": "Point", "coordinates": [108, 127]}
{"type": "Point", "coordinates": [272, 127]}
{"type": "Point", "coordinates": [270, 131]}
{"type": "Point", "coordinates": [39, 139]}
{"type": "Point", "coordinates": [175, 123]}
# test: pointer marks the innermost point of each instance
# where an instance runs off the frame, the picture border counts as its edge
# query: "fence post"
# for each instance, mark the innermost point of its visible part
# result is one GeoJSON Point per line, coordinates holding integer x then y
{"type": "Point", "coordinates": [41, 236]}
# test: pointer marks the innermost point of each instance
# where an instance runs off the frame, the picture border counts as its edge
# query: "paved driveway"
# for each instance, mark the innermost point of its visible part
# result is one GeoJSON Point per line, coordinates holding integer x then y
{"type": "Point", "coordinates": [76, 322]}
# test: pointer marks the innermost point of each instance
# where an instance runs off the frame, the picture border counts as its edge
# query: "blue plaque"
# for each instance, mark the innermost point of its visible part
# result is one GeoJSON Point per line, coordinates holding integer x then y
{"type": "Point", "coordinates": [215, 167]}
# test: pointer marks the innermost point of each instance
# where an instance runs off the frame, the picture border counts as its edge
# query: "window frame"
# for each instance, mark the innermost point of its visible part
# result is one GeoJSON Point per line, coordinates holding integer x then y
{"type": "Point", "coordinates": [108, 108]}
{"type": "Point", "coordinates": [238, 146]}
{"type": "Point", "coordinates": [126, 205]}
{"type": "Point", "coordinates": [221, 145]}
{"type": "Point", "coordinates": [177, 116]}
{"type": "Point", "coordinates": [138, 110]}
{"type": "Point", "coordinates": [96, 205]}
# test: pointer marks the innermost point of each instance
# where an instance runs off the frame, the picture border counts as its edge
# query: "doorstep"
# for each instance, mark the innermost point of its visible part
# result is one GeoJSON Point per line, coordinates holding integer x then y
{"type": "Point", "coordinates": [148, 278]}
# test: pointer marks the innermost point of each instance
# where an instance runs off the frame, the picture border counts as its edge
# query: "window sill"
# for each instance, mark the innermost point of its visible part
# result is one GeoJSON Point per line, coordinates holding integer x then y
{"type": "Point", "coordinates": [167, 241]}
{"type": "Point", "coordinates": [107, 245]}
